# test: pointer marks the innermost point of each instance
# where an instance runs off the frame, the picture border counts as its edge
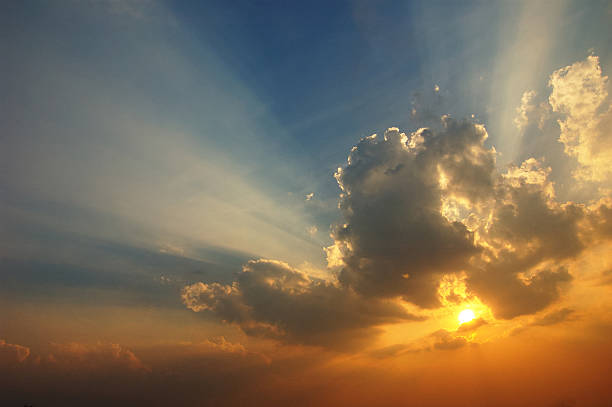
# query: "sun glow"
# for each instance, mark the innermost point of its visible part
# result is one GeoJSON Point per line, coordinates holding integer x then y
{"type": "Point", "coordinates": [466, 316]}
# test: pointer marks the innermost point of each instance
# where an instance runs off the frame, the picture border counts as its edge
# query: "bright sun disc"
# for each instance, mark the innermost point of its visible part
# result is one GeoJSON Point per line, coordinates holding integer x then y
{"type": "Point", "coordinates": [466, 316]}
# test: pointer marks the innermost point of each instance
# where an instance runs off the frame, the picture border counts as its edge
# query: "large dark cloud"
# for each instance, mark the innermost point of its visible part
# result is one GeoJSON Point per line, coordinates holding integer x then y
{"type": "Point", "coordinates": [527, 229]}
{"type": "Point", "coordinates": [509, 296]}
{"type": "Point", "coordinates": [432, 203]}
{"type": "Point", "coordinates": [416, 207]}
{"type": "Point", "coordinates": [270, 298]}
{"type": "Point", "coordinates": [395, 239]}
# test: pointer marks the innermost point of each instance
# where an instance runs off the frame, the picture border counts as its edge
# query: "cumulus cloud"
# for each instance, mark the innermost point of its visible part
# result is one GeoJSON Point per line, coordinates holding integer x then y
{"type": "Point", "coordinates": [418, 207]}
{"type": "Point", "coordinates": [509, 296]}
{"type": "Point", "coordinates": [525, 231]}
{"type": "Point", "coordinates": [527, 110]}
{"type": "Point", "coordinates": [522, 118]}
{"type": "Point", "coordinates": [600, 219]}
{"type": "Point", "coordinates": [580, 94]}
{"type": "Point", "coordinates": [395, 239]}
{"type": "Point", "coordinates": [270, 298]}
{"type": "Point", "coordinates": [578, 114]}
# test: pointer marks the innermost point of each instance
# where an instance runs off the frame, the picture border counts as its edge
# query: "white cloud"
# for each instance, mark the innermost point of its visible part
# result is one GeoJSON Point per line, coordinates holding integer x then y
{"type": "Point", "coordinates": [580, 95]}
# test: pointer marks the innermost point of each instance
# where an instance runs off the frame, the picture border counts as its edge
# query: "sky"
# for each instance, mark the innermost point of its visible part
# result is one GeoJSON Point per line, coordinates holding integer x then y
{"type": "Point", "coordinates": [305, 203]}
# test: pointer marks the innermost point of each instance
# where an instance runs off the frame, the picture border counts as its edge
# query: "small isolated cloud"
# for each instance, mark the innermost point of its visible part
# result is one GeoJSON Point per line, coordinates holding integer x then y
{"type": "Point", "coordinates": [440, 340]}
{"type": "Point", "coordinates": [11, 353]}
{"type": "Point", "coordinates": [530, 112]}
{"type": "Point", "coordinates": [445, 340]}
{"type": "Point", "coordinates": [390, 351]}
{"type": "Point", "coordinates": [551, 318]}
{"type": "Point", "coordinates": [312, 230]}
{"type": "Point", "coordinates": [220, 344]}
{"type": "Point", "coordinates": [472, 325]}
{"type": "Point", "coordinates": [168, 248]}
{"type": "Point", "coordinates": [554, 317]}
{"type": "Point", "coordinates": [165, 280]}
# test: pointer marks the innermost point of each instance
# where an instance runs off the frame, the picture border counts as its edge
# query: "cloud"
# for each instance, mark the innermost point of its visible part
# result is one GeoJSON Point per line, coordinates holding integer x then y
{"type": "Point", "coordinates": [606, 277]}
{"type": "Point", "coordinates": [445, 340]}
{"type": "Point", "coordinates": [527, 110]}
{"type": "Point", "coordinates": [600, 219]}
{"type": "Point", "coordinates": [551, 318]}
{"type": "Point", "coordinates": [577, 115]}
{"type": "Point", "coordinates": [554, 317]}
{"type": "Point", "coordinates": [418, 207]}
{"type": "Point", "coordinates": [441, 339]}
{"type": "Point", "coordinates": [472, 325]}
{"type": "Point", "coordinates": [94, 357]}
{"type": "Point", "coordinates": [580, 95]}
{"type": "Point", "coordinates": [526, 230]}
{"type": "Point", "coordinates": [209, 372]}
{"type": "Point", "coordinates": [221, 344]}
{"type": "Point", "coordinates": [12, 353]}
{"type": "Point", "coordinates": [270, 298]}
{"type": "Point", "coordinates": [510, 296]}
{"type": "Point", "coordinates": [390, 351]}
{"type": "Point", "coordinates": [395, 241]}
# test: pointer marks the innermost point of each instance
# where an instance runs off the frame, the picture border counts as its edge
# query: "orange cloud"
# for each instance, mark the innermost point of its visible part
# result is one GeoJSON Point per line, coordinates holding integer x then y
{"type": "Point", "coordinates": [13, 353]}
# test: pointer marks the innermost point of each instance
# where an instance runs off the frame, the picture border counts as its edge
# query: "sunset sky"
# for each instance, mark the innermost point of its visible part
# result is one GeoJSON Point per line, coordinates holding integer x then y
{"type": "Point", "coordinates": [304, 203]}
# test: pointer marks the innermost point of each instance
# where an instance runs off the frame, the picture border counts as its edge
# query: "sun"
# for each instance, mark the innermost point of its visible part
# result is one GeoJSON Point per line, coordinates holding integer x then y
{"type": "Point", "coordinates": [466, 316]}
